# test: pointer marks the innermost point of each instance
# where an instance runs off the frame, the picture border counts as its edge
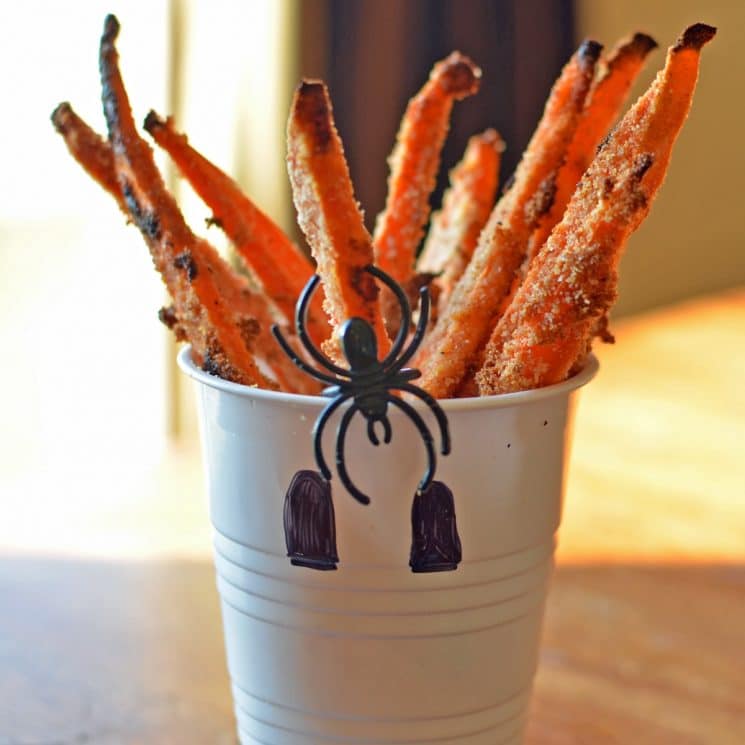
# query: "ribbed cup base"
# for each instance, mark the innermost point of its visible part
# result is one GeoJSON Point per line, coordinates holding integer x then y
{"type": "Point", "coordinates": [378, 657]}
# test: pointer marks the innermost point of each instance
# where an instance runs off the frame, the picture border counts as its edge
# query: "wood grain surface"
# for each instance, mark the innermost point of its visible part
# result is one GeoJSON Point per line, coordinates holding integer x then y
{"type": "Point", "coordinates": [117, 641]}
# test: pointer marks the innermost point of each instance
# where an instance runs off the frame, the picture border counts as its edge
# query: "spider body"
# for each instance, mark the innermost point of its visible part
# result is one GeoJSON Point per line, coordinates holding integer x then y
{"type": "Point", "coordinates": [368, 382]}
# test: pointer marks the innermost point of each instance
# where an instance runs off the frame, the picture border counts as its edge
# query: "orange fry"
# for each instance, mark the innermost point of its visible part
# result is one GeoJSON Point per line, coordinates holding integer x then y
{"type": "Point", "coordinates": [274, 260]}
{"type": "Point", "coordinates": [328, 212]}
{"type": "Point", "coordinates": [607, 95]}
{"type": "Point", "coordinates": [415, 161]}
{"type": "Point", "coordinates": [90, 150]}
{"type": "Point", "coordinates": [185, 263]}
{"type": "Point", "coordinates": [252, 312]}
{"type": "Point", "coordinates": [469, 317]}
{"type": "Point", "coordinates": [572, 282]}
{"type": "Point", "coordinates": [455, 229]}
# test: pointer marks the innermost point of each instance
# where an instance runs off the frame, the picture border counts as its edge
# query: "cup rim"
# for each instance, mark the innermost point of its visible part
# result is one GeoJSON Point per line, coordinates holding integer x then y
{"type": "Point", "coordinates": [500, 400]}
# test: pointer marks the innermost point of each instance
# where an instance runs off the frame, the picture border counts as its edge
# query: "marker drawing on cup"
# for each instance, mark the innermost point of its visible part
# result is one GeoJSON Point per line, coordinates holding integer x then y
{"type": "Point", "coordinates": [310, 527]}
{"type": "Point", "coordinates": [368, 383]}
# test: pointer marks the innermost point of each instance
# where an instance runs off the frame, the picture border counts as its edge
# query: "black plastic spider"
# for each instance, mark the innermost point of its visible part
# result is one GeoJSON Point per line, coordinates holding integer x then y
{"type": "Point", "coordinates": [368, 381]}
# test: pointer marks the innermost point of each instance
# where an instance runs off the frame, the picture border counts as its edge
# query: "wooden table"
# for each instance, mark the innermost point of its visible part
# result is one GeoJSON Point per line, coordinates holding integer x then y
{"type": "Point", "coordinates": [109, 639]}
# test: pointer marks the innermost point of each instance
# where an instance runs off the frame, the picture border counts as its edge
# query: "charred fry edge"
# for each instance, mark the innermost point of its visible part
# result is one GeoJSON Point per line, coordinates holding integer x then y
{"type": "Point", "coordinates": [176, 252]}
{"type": "Point", "coordinates": [89, 149]}
{"type": "Point", "coordinates": [251, 311]}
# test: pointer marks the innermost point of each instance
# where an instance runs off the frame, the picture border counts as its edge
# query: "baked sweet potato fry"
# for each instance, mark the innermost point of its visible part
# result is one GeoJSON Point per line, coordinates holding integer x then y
{"type": "Point", "coordinates": [186, 264]}
{"type": "Point", "coordinates": [415, 161]}
{"type": "Point", "coordinates": [572, 282]}
{"type": "Point", "coordinates": [251, 311]}
{"type": "Point", "coordinates": [604, 102]}
{"type": "Point", "coordinates": [607, 95]}
{"type": "Point", "coordinates": [253, 315]}
{"type": "Point", "coordinates": [329, 214]}
{"type": "Point", "coordinates": [455, 229]}
{"type": "Point", "coordinates": [278, 265]}
{"type": "Point", "coordinates": [464, 327]}
{"type": "Point", "coordinates": [89, 149]}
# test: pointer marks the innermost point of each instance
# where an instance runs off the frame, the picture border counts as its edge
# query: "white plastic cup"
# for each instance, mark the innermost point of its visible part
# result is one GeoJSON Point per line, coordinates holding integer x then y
{"type": "Point", "coordinates": [372, 652]}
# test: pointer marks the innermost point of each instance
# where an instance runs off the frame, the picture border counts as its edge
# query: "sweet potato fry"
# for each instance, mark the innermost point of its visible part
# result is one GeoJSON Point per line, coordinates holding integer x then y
{"type": "Point", "coordinates": [252, 314]}
{"type": "Point", "coordinates": [328, 213]}
{"type": "Point", "coordinates": [607, 95]}
{"type": "Point", "coordinates": [604, 102]}
{"type": "Point", "coordinates": [277, 264]}
{"type": "Point", "coordinates": [90, 150]}
{"type": "Point", "coordinates": [251, 311]}
{"type": "Point", "coordinates": [454, 230]}
{"type": "Point", "coordinates": [469, 317]}
{"type": "Point", "coordinates": [185, 263]}
{"type": "Point", "coordinates": [572, 282]}
{"type": "Point", "coordinates": [415, 161]}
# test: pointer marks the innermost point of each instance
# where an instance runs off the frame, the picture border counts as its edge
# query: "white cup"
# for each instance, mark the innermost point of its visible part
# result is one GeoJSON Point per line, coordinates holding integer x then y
{"type": "Point", "coordinates": [373, 652]}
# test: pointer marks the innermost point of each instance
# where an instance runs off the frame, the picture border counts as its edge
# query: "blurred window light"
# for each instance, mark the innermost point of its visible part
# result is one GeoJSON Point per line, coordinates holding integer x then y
{"type": "Point", "coordinates": [239, 62]}
{"type": "Point", "coordinates": [89, 379]}
{"type": "Point", "coordinates": [84, 371]}
{"type": "Point", "coordinates": [53, 49]}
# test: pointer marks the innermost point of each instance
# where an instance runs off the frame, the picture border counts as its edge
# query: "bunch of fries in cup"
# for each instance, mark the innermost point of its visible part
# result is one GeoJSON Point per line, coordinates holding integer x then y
{"type": "Point", "coordinates": [520, 288]}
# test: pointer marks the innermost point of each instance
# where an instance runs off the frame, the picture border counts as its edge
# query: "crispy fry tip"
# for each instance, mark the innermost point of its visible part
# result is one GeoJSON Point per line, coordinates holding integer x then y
{"type": "Point", "coordinates": [59, 116]}
{"type": "Point", "coordinates": [311, 101]}
{"type": "Point", "coordinates": [309, 87]}
{"type": "Point", "coordinates": [589, 53]}
{"type": "Point", "coordinates": [694, 37]}
{"type": "Point", "coordinates": [642, 43]}
{"type": "Point", "coordinates": [153, 121]}
{"type": "Point", "coordinates": [458, 75]}
{"type": "Point", "coordinates": [492, 137]}
{"type": "Point", "coordinates": [110, 28]}
{"type": "Point", "coordinates": [312, 109]}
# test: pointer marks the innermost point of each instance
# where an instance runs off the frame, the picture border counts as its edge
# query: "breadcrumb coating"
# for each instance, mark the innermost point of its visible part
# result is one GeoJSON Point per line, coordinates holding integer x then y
{"type": "Point", "coordinates": [415, 161]}
{"type": "Point", "coordinates": [454, 230]}
{"type": "Point", "coordinates": [573, 280]}
{"type": "Point", "coordinates": [464, 327]}
{"type": "Point", "coordinates": [329, 214]}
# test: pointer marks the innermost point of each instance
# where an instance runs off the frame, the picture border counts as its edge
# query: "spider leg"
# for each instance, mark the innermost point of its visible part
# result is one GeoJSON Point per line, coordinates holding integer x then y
{"type": "Point", "coordinates": [403, 301]}
{"type": "Point", "coordinates": [299, 362]}
{"type": "Point", "coordinates": [373, 435]}
{"type": "Point", "coordinates": [421, 329]}
{"type": "Point", "coordinates": [371, 432]}
{"type": "Point", "coordinates": [387, 430]}
{"type": "Point", "coordinates": [340, 465]}
{"type": "Point", "coordinates": [436, 410]}
{"type": "Point", "coordinates": [301, 312]}
{"type": "Point", "coordinates": [412, 413]}
{"type": "Point", "coordinates": [318, 428]}
{"type": "Point", "coordinates": [408, 374]}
